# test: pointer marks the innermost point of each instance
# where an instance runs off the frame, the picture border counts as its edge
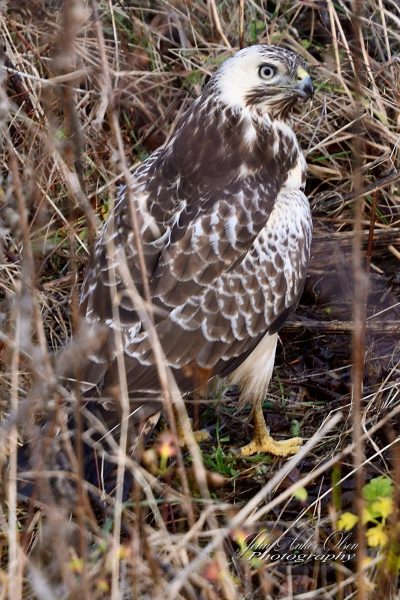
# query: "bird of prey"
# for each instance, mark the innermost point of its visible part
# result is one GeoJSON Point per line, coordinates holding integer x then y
{"type": "Point", "coordinates": [225, 231]}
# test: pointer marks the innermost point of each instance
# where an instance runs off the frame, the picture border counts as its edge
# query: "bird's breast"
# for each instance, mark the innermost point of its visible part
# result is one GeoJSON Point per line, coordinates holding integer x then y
{"type": "Point", "coordinates": [285, 145]}
{"type": "Point", "coordinates": [295, 179]}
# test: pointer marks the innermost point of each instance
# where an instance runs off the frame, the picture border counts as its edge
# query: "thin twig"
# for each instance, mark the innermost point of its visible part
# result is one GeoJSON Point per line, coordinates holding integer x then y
{"type": "Point", "coordinates": [217, 22]}
{"type": "Point", "coordinates": [241, 23]}
{"type": "Point", "coordinates": [359, 304]}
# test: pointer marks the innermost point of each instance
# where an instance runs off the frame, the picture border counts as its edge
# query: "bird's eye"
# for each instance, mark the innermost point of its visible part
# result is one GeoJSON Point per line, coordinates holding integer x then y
{"type": "Point", "coordinates": [267, 71]}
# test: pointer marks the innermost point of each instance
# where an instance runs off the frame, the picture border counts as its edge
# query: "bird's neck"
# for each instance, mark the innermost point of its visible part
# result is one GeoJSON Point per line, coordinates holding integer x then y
{"type": "Point", "coordinates": [215, 145]}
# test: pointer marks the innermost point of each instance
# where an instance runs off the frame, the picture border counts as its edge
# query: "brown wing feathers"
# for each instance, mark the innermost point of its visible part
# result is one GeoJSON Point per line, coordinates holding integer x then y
{"type": "Point", "coordinates": [202, 202]}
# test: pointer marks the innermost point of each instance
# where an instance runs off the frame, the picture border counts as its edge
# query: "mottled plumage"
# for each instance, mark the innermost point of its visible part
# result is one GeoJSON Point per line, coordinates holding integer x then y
{"type": "Point", "coordinates": [225, 229]}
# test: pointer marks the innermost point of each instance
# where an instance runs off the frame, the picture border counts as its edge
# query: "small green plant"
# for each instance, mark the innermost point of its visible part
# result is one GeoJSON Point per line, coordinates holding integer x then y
{"type": "Point", "coordinates": [378, 497]}
{"type": "Point", "coordinates": [219, 461]}
{"type": "Point", "coordinates": [255, 29]}
{"type": "Point", "coordinates": [193, 78]}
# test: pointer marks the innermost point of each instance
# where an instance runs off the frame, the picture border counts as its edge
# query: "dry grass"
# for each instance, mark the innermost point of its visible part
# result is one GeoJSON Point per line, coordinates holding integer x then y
{"type": "Point", "coordinates": [85, 98]}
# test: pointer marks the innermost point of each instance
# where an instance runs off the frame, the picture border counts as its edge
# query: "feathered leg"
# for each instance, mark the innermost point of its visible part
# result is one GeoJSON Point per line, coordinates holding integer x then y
{"type": "Point", "coordinates": [253, 377]}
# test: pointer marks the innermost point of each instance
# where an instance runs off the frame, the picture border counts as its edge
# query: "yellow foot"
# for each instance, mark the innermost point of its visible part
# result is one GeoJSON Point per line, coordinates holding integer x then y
{"type": "Point", "coordinates": [267, 444]}
{"type": "Point", "coordinates": [201, 435]}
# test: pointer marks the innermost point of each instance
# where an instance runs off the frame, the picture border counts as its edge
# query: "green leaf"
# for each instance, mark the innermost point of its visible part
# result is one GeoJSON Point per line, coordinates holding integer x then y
{"type": "Point", "coordinates": [256, 27]}
{"type": "Point", "coordinates": [376, 536]}
{"type": "Point", "coordinates": [301, 494]}
{"type": "Point", "coordinates": [295, 428]}
{"type": "Point", "coordinates": [61, 134]}
{"type": "Point", "coordinates": [382, 507]}
{"type": "Point", "coordinates": [379, 487]}
{"type": "Point", "coordinates": [347, 521]}
{"type": "Point", "coordinates": [367, 516]}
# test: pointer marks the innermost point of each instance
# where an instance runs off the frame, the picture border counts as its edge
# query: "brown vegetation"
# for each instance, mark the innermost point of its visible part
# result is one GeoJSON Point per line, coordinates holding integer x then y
{"type": "Point", "coordinates": [90, 89]}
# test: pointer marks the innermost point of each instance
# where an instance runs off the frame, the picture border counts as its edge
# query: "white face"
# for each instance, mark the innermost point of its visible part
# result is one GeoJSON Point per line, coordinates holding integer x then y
{"type": "Point", "coordinates": [259, 77]}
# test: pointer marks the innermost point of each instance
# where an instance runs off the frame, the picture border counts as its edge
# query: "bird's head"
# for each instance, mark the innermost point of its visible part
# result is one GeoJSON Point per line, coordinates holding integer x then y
{"type": "Point", "coordinates": [266, 80]}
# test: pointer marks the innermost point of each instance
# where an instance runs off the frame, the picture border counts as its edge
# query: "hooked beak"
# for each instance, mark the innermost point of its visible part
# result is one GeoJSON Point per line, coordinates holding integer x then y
{"type": "Point", "coordinates": [305, 88]}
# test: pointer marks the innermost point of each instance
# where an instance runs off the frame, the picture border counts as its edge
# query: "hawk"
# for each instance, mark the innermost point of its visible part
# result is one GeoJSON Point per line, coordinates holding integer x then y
{"type": "Point", "coordinates": [225, 231]}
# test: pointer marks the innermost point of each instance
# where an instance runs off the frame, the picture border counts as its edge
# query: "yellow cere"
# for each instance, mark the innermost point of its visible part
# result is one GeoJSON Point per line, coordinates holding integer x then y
{"type": "Point", "coordinates": [302, 73]}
